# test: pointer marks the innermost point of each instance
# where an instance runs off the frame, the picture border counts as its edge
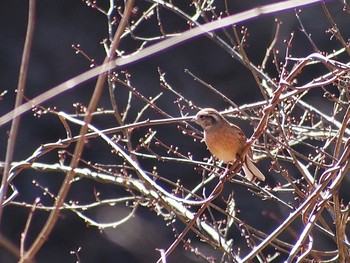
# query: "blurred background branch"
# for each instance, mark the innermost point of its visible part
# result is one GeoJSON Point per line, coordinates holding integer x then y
{"type": "Point", "coordinates": [145, 188]}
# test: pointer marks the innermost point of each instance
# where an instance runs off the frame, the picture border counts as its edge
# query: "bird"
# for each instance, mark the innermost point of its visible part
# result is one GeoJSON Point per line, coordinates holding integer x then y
{"type": "Point", "coordinates": [227, 142]}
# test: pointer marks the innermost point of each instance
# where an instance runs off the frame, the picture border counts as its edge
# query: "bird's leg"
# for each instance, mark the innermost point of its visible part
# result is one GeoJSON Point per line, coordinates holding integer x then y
{"type": "Point", "coordinates": [214, 170]}
{"type": "Point", "coordinates": [235, 167]}
{"type": "Point", "coordinates": [226, 172]}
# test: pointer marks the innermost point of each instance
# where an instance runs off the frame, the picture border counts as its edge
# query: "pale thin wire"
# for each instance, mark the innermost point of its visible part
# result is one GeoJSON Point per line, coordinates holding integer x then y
{"type": "Point", "coordinates": [156, 48]}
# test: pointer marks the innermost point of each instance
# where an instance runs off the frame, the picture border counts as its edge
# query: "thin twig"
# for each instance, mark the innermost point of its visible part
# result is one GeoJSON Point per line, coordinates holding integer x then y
{"type": "Point", "coordinates": [26, 228]}
{"type": "Point", "coordinates": [161, 46]}
{"type": "Point", "coordinates": [29, 255]}
{"type": "Point", "coordinates": [19, 98]}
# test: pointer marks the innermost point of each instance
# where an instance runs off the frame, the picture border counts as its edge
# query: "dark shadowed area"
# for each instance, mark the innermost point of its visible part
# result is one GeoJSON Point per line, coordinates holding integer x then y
{"type": "Point", "coordinates": [62, 24]}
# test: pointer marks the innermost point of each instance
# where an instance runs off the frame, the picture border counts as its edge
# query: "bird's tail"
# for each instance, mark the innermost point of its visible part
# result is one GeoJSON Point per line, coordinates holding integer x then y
{"type": "Point", "coordinates": [251, 171]}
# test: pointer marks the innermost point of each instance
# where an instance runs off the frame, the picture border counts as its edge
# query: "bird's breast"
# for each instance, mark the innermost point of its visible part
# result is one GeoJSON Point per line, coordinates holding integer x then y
{"type": "Point", "coordinates": [223, 144]}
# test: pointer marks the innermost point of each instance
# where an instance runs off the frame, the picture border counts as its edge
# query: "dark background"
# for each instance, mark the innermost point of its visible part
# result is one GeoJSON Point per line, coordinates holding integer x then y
{"type": "Point", "coordinates": [59, 25]}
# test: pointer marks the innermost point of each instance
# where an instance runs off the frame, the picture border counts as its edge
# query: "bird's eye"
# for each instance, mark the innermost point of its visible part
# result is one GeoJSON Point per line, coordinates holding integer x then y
{"type": "Point", "coordinates": [201, 117]}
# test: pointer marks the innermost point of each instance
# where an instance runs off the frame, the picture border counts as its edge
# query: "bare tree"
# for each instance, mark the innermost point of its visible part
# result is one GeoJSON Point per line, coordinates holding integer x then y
{"type": "Point", "coordinates": [154, 159]}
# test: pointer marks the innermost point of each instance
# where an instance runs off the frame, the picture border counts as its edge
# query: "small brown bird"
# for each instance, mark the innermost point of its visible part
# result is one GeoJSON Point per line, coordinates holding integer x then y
{"type": "Point", "coordinates": [226, 141]}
